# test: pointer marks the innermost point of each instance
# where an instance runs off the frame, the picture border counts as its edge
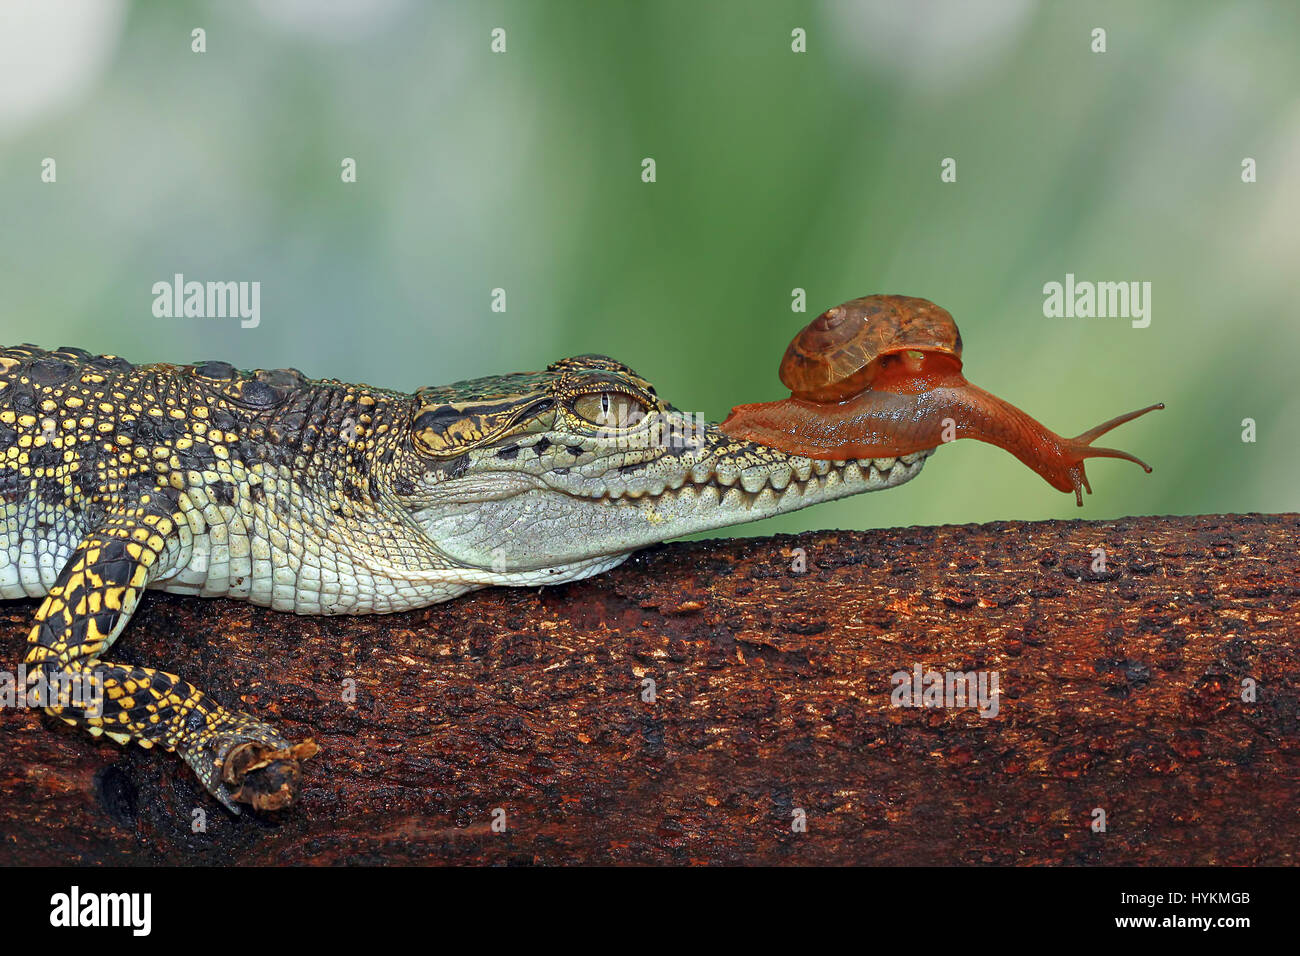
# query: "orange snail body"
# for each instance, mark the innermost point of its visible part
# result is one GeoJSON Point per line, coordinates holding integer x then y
{"type": "Point", "coordinates": [880, 377]}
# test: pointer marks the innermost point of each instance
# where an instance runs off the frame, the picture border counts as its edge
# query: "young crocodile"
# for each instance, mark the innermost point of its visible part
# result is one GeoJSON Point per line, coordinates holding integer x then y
{"type": "Point", "coordinates": [319, 497]}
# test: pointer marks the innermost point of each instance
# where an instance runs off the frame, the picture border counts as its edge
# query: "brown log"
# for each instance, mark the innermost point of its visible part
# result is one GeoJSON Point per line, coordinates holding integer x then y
{"type": "Point", "coordinates": [1121, 689]}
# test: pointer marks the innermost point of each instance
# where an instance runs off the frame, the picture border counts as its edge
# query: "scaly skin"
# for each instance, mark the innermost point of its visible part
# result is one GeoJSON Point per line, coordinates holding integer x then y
{"type": "Point", "coordinates": [319, 497]}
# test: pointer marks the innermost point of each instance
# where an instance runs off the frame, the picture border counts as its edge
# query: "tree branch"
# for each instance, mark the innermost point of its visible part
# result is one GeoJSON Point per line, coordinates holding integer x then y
{"type": "Point", "coordinates": [1121, 690]}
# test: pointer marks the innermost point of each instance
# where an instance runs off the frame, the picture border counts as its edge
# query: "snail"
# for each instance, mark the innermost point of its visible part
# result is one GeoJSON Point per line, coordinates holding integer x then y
{"type": "Point", "coordinates": [880, 377]}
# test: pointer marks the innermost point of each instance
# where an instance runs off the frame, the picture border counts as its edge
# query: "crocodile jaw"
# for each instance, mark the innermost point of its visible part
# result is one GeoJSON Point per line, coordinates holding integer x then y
{"type": "Point", "coordinates": [510, 523]}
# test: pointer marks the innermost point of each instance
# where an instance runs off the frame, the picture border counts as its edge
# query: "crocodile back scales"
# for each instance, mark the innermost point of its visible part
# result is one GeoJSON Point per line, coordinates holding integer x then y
{"type": "Point", "coordinates": [277, 476]}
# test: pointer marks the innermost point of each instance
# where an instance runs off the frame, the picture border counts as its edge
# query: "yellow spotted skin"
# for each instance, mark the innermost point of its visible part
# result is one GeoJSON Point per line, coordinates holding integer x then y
{"type": "Point", "coordinates": [193, 479]}
{"type": "Point", "coordinates": [321, 497]}
{"type": "Point", "coordinates": [203, 479]}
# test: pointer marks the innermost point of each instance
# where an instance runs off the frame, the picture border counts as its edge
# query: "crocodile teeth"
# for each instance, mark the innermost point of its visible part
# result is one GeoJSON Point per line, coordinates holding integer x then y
{"type": "Point", "coordinates": [734, 497]}
{"type": "Point", "coordinates": [802, 468]}
{"type": "Point", "coordinates": [821, 466]}
{"type": "Point", "coordinates": [779, 479]}
{"type": "Point", "coordinates": [753, 482]}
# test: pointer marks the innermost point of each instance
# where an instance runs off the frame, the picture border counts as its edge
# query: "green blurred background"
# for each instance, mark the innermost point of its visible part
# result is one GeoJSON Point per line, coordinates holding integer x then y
{"type": "Point", "coordinates": [775, 171]}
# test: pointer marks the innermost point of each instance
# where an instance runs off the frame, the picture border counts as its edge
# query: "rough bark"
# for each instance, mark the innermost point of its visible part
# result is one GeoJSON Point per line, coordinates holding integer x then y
{"type": "Point", "coordinates": [1121, 689]}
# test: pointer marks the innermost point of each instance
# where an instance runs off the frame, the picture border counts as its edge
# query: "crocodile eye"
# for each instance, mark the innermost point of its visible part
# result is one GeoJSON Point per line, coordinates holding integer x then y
{"type": "Point", "coordinates": [609, 409]}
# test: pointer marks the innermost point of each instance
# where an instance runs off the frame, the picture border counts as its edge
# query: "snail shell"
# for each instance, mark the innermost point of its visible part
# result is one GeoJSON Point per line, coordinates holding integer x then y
{"type": "Point", "coordinates": [841, 351]}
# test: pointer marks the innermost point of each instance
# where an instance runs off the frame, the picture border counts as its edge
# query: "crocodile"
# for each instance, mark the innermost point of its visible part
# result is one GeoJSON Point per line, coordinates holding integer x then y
{"type": "Point", "coordinates": [321, 497]}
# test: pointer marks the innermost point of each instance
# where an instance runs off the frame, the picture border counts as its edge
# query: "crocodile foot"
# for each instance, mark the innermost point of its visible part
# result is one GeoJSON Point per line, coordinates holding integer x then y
{"type": "Point", "coordinates": [263, 776]}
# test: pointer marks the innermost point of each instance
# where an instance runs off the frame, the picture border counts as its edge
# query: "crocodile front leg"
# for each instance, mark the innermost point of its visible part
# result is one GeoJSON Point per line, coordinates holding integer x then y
{"type": "Point", "coordinates": [236, 756]}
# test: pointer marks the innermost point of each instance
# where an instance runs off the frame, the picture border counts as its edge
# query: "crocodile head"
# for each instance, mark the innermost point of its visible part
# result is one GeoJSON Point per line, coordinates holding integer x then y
{"type": "Point", "coordinates": [554, 475]}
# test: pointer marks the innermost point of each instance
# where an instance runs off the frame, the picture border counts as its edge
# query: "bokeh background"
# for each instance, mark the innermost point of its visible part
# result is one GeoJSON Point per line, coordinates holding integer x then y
{"type": "Point", "coordinates": [775, 170]}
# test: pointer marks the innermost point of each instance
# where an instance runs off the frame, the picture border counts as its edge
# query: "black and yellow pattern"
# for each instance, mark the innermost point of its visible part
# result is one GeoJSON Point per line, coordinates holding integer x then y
{"type": "Point", "coordinates": [81, 489]}
{"type": "Point", "coordinates": [79, 620]}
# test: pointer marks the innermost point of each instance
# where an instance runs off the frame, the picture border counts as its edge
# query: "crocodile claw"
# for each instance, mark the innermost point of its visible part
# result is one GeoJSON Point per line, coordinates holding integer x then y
{"type": "Point", "coordinates": [265, 777]}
